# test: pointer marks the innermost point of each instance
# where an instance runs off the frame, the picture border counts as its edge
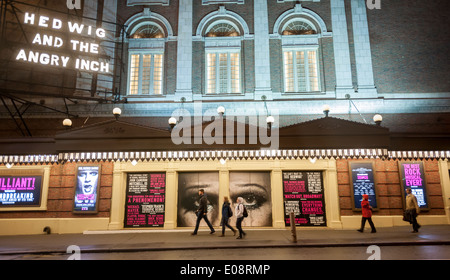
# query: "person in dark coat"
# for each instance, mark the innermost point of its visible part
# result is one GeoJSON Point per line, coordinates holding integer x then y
{"type": "Point", "coordinates": [202, 211]}
{"type": "Point", "coordinates": [226, 215]}
{"type": "Point", "coordinates": [412, 210]}
{"type": "Point", "coordinates": [366, 214]}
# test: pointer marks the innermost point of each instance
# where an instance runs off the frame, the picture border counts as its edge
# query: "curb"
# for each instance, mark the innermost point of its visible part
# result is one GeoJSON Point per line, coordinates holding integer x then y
{"type": "Point", "coordinates": [248, 246]}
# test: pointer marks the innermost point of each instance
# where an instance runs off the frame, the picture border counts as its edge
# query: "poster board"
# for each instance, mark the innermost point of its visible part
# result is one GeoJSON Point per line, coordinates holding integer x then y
{"type": "Point", "coordinates": [86, 189]}
{"type": "Point", "coordinates": [303, 194]}
{"type": "Point", "coordinates": [20, 190]}
{"type": "Point", "coordinates": [145, 200]}
{"type": "Point", "coordinates": [412, 175]}
{"type": "Point", "coordinates": [189, 183]}
{"type": "Point", "coordinates": [362, 181]}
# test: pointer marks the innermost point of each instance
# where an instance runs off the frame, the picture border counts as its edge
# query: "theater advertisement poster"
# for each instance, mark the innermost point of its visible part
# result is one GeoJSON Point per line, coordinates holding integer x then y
{"type": "Point", "coordinates": [145, 200]}
{"type": "Point", "coordinates": [20, 191]}
{"type": "Point", "coordinates": [362, 179]}
{"type": "Point", "coordinates": [412, 176]}
{"type": "Point", "coordinates": [86, 192]}
{"type": "Point", "coordinates": [255, 189]}
{"type": "Point", "coordinates": [304, 195]}
{"type": "Point", "coordinates": [253, 186]}
{"type": "Point", "coordinates": [188, 185]}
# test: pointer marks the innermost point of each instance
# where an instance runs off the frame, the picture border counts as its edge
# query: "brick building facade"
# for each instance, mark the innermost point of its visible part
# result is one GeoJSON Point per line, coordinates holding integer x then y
{"type": "Point", "coordinates": [253, 57]}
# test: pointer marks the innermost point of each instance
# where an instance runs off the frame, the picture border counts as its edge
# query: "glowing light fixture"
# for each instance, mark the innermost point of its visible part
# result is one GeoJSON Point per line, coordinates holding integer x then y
{"type": "Point", "coordinates": [117, 112]}
{"type": "Point", "coordinates": [221, 110]}
{"type": "Point", "coordinates": [67, 123]}
{"type": "Point", "coordinates": [378, 119]}
{"type": "Point", "coordinates": [326, 109]}
{"type": "Point", "coordinates": [172, 122]}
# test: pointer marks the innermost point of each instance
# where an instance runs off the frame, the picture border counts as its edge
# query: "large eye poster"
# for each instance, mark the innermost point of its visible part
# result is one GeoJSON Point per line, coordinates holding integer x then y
{"type": "Point", "coordinates": [189, 183]}
{"type": "Point", "coordinates": [304, 195]}
{"type": "Point", "coordinates": [255, 189]}
{"type": "Point", "coordinates": [145, 200]}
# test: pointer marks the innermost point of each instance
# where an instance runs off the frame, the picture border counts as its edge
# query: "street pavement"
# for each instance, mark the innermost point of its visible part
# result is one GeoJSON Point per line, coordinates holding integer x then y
{"type": "Point", "coordinates": [163, 240]}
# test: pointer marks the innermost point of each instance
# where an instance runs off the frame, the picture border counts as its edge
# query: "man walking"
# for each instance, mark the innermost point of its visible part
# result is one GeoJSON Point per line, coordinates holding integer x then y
{"type": "Point", "coordinates": [202, 211]}
{"type": "Point", "coordinates": [412, 210]}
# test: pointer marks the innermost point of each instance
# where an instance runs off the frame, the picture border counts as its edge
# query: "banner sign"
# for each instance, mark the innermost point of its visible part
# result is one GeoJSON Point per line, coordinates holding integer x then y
{"type": "Point", "coordinates": [412, 175]}
{"type": "Point", "coordinates": [303, 194]}
{"type": "Point", "coordinates": [363, 182]}
{"type": "Point", "coordinates": [63, 44]}
{"type": "Point", "coordinates": [145, 200]}
{"type": "Point", "coordinates": [20, 191]}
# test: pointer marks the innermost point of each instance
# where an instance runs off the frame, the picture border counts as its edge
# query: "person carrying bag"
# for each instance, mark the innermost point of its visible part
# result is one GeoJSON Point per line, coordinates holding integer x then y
{"type": "Point", "coordinates": [241, 213]}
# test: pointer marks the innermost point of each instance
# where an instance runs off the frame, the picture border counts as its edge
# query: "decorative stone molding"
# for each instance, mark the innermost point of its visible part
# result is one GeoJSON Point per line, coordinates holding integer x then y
{"type": "Point", "coordinates": [147, 2]}
{"type": "Point", "coordinates": [211, 2]}
{"type": "Point", "coordinates": [227, 155]}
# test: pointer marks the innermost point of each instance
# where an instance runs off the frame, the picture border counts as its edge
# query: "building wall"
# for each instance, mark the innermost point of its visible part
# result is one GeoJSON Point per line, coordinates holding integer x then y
{"type": "Point", "coordinates": [389, 188]}
{"type": "Point", "coordinates": [408, 46]}
{"type": "Point", "coordinates": [57, 203]}
{"type": "Point", "coordinates": [409, 40]}
{"type": "Point", "coordinates": [59, 216]}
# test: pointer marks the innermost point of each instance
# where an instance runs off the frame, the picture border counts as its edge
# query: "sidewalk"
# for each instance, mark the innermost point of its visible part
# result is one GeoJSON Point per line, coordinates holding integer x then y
{"type": "Point", "coordinates": [158, 240]}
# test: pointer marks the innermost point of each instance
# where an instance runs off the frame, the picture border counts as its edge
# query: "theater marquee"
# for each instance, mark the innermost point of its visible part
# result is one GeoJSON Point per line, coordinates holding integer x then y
{"type": "Point", "coordinates": [64, 44]}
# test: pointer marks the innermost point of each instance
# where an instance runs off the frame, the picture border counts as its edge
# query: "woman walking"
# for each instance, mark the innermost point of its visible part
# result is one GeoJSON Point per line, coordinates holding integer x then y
{"type": "Point", "coordinates": [226, 215]}
{"type": "Point", "coordinates": [240, 216]}
{"type": "Point", "coordinates": [366, 214]}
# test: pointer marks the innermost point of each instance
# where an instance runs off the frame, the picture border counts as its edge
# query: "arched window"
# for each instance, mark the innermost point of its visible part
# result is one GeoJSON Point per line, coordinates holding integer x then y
{"type": "Point", "coordinates": [146, 59]}
{"type": "Point", "coordinates": [300, 56]}
{"type": "Point", "coordinates": [223, 29]}
{"type": "Point", "coordinates": [223, 58]}
{"type": "Point", "coordinates": [148, 30]}
{"type": "Point", "coordinates": [298, 27]}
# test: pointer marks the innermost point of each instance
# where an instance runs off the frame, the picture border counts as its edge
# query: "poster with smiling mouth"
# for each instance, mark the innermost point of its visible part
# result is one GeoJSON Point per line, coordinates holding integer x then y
{"type": "Point", "coordinates": [86, 192]}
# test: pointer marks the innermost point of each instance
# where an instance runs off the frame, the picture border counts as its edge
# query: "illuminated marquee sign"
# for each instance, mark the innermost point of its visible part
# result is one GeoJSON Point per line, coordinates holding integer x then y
{"type": "Point", "coordinates": [20, 191]}
{"type": "Point", "coordinates": [86, 192]}
{"type": "Point", "coordinates": [412, 176]}
{"type": "Point", "coordinates": [362, 176]}
{"type": "Point", "coordinates": [77, 46]}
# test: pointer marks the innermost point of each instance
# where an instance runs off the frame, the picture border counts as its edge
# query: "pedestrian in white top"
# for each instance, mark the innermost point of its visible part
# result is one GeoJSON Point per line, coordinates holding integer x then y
{"type": "Point", "coordinates": [239, 216]}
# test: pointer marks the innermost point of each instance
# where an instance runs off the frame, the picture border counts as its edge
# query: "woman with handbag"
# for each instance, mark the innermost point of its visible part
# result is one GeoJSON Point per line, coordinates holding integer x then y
{"type": "Point", "coordinates": [366, 214]}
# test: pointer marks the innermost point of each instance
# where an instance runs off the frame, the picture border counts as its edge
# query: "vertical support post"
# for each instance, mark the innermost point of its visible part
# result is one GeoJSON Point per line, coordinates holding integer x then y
{"type": "Point", "coordinates": [293, 227]}
{"type": "Point", "coordinates": [184, 51]}
{"type": "Point", "coordinates": [262, 51]}
{"type": "Point", "coordinates": [344, 83]}
{"type": "Point", "coordinates": [363, 54]}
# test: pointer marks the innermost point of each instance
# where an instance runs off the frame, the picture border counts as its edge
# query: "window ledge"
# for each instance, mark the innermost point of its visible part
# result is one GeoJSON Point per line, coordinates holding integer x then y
{"type": "Point", "coordinates": [303, 93]}
{"type": "Point", "coordinates": [222, 94]}
{"type": "Point", "coordinates": [144, 98]}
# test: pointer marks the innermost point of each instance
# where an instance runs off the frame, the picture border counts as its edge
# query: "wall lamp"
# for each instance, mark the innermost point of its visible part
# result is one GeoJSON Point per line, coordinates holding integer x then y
{"type": "Point", "coordinates": [326, 109]}
{"type": "Point", "coordinates": [378, 119]}
{"type": "Point", "coordinates": [67, 123]}
{"type": "Point", "coordinates": [172, 123]}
